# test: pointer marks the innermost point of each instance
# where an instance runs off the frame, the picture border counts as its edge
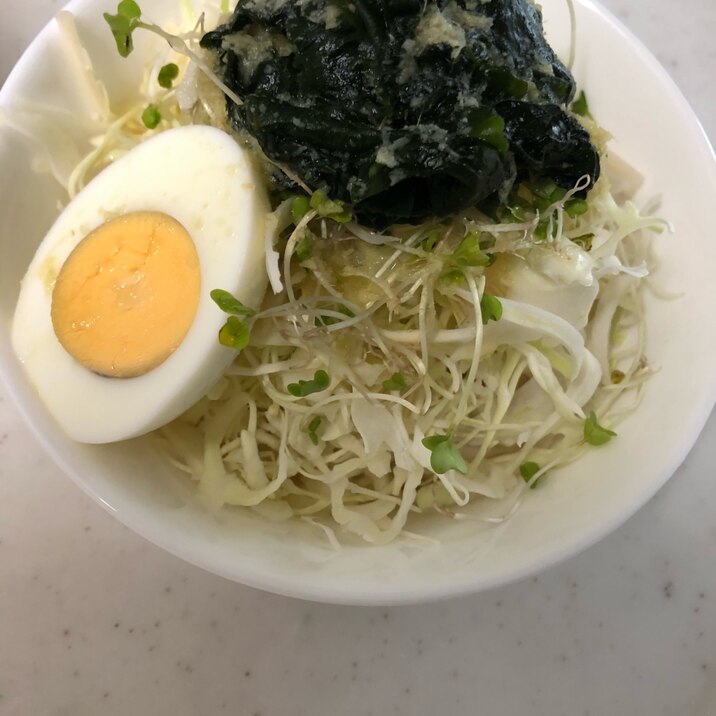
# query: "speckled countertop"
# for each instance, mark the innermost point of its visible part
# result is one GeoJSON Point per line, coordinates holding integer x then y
{"type": "Point", "coordinates": [94, 620]}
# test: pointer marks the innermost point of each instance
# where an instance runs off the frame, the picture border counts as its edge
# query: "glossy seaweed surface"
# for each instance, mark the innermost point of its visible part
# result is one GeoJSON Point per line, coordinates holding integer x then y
{"type": "Point", "coordinates": [403, 108]}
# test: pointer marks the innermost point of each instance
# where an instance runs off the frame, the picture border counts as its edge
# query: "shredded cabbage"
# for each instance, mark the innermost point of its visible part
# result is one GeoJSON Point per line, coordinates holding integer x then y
{"type": "Point", "coordinates": [512, 391]}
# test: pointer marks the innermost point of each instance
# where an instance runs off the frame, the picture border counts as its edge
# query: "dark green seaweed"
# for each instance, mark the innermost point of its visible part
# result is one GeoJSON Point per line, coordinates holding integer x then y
{"type": "Point", "coordinates": [363, 100]}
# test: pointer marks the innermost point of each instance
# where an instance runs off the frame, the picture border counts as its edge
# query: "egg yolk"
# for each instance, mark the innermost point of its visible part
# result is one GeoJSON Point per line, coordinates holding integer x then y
{"type": "Point", "coordinates": [127, 295]}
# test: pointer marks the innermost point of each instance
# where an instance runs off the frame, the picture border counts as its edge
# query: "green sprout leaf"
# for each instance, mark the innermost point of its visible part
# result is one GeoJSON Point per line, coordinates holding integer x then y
{"type": "Point", "coordinates": [430, 241]}
{"type": "Point", "coordinates": [312, 427]}
{"type": "Point", "coordinates": [540, 233]}
{"type": "Point", "coordinates": [234, 334]}
{"type": "Point", "coordinates": [490, 128]}
{"type": "Point", "coordinates": [306, 387]}
{"type": "Point", "coordinates": [510, 213]}
{"type": "Point", "coordinates": [469, 253]}
{"type": "Point", "coordinates": [129, 9]}
{"type": "Point", "coordinates": [300, 206]}
{"type": "Point", "coordinates": [167, 75]}
{"type": "Point", "coordinates": [580, 105]}
{"type": "Point", "coordinates": [545, 193]}
{"type": "Point", "coordinates": [576, 207]}
{"type": "Point", "coordinates": [396, 381]}
{"type": "Point", "coordinates": [594, 433]}
{"type": "Point", "coordinates": [151, 116]}
{"type": "Point", "coordinates": [453, 276]}
{"type": "Point", "coordinates": [228, 304]}
{"type": "Point", "coordinates": [304, 248]}
{"type": "Point", "coordinates": [502, 79]}
{"type": "Point", "coordinates": [444, 454]}
{"type": "Point", "coordinates": [490, 307]}
{"type": "Point", "coordinates": [123, 25]}
{"type": "Point", "coordinates": [528, 470]}
{"type": "Point", "coordinates": [329, 208]}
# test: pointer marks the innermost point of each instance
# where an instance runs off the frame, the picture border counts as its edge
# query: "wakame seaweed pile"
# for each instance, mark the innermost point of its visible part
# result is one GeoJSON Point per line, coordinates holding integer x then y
{"type": "Point", "coordinates": [404, 109]}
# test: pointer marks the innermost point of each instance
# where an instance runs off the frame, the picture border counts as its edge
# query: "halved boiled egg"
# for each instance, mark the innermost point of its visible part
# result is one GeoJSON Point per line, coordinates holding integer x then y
{"type": "Point", "coordinates": [114, 323]}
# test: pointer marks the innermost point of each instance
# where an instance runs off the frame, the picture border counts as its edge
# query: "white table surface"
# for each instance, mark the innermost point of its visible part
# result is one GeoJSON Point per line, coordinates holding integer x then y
{"type": "Point", "coordinates": [94, 620]}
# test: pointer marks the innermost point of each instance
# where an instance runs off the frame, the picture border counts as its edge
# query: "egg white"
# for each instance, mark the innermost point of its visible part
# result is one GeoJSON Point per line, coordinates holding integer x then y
{"type": "Point", "coordinates": [205, 180]}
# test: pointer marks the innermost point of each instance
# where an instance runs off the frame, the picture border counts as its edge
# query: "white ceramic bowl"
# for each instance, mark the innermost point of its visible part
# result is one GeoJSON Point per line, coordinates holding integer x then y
{"type": "Point", "coordinates": [653, 128]}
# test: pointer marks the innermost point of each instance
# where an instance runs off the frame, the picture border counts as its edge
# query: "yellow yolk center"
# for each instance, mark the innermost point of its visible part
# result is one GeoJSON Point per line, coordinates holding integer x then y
{"type": "Point", "coordinates": [127, 295]}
